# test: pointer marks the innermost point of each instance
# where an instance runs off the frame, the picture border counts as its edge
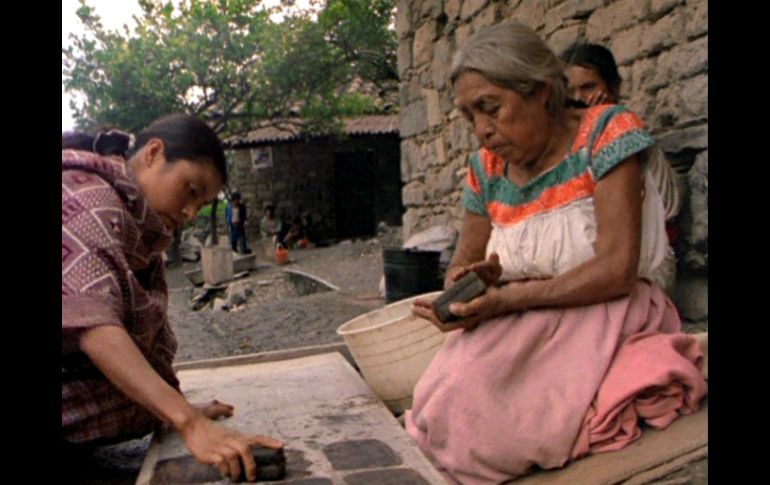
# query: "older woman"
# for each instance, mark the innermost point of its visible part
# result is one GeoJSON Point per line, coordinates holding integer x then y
{"type": "Point", "coordinates": [572, 343]}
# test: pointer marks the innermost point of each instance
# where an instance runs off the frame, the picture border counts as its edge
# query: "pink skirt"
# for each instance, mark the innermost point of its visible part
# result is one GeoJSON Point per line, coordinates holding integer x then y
{"type": "Point", "coordinates": [542, 387]}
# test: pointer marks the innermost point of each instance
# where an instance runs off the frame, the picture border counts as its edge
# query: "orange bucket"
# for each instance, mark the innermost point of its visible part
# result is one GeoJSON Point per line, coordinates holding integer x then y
{"type": "Point", "coordinates": [281, 255]}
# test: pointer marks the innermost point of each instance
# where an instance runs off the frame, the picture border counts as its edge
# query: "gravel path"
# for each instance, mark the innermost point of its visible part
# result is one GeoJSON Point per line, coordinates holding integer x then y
{"type": "Point", "coordinates": [276, 316]}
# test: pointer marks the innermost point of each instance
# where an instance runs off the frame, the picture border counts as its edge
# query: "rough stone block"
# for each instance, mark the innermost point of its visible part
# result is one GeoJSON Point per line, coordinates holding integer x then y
{"type": "Point", "coordinates": [561, 39]}
{"type": "Point", "coordinates": [238, 293]}
{"type": "Point", "coordinates": [430, 8]}
{"type": "Point", "coordinates": [446, 180]}
{"type": "Point", "coordinates": [616, 16]}
{"type": "Point", "coordinates": [664, 33]}
{"type": "Point", "coordinates": [682, 102]}
{"type": "Point", "coordinates": [682, 61]}
{"type": "Point", "coordinates": [570, 9]}
{"type": "Point", "coordinates": [659, 7]}
{"type": "Point", "coordinates": [438, 146]}
{"type": "Point", "coordinates": [470, 7]}
{"type": "Point", "coordinates": [410, 158]}
{"type": "Point", "coordinates": [403, 23]}
{"type": "Point", "coordinates": [447, 103]}
{"type": "Point", "coordinates": [413, 221]}
{"type": "Point", "coordinates": [642, 103]}
{"type": "Point", "coordinates": [427, 157]}
{"type": "Point", "coordinates": [531, 10]}
{"type": "Point", "coordinates": [219, 305]}
{"type": "Point", "coordinates": [694, 97]}
{"type": "Point", "coordinates": [422, 50]}
{"type": "Point", "coordinates": [434, 116]}
{"type": "Point", "coordinates": [413, 119]}
{"type": "Point", "coordinates": [440, 219]}
{"type": "Point", "coordinates": [642, 73]}
{"type": "Point", "coordinates": [432, 184]}
{"type": "Point", "coordinates": [459, 129]}
{"type": "Point", "coordinates": [425, 77]}
{"type": "Point", "coordinates": [697, 18]}
{"type": "Point", "coordinates": [627, 81]}
{"type": "Point", "coordinates": [404, 58]}
{"type": "Point", "coordinates": [441, 64]}
{"type": "Point", "coordinates": [695, 137]}
{"type": "Point", "coordinates": [509, 7]}
{"type": "Point", "coordinates": [625, 46]}
{"type": "Point", "coordinates": [415, 89]}
{"type": "Point", "coordinates": [452, 10]}
{"type": "Point", "coordinates": [462, 172]}
{"type": "Point", "coordinates": [414, 194]}
{"type": "Point", "coordinates": [403, 94]}
{"type": "Point", "coordinates": [484, 18]}
{"type": "Point", "coordinates": [462, 33]}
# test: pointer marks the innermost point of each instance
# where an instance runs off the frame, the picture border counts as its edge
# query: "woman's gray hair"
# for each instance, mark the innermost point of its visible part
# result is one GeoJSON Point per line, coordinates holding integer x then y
{"type": "Point", "coordinates": [513, 56]}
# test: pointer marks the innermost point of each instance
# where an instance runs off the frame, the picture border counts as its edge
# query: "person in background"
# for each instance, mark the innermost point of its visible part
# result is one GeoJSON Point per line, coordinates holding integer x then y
{"type": "Point", "coordinates": [271, 226]}
{"type": "Point", "coordinates": [120, 204]}
{"type": "Point", "coordinates": [573, 344]}
{"type": "Point", "coordinates": [593, 78]}
{"type": "Point", "coordinates": [299, 234]}
{"type": "Point", "coordinates": [236, 221]}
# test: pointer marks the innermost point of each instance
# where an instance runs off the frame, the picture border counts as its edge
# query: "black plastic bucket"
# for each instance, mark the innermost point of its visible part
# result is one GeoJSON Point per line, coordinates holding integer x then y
{"type": "Point", "coordinates": [410, 272]}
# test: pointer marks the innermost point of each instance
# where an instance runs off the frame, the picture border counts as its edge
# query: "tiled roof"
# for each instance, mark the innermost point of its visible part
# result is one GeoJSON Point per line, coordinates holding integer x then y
{"type": "Point", "coordinates": [372, 125]}
{"type": "Point", "coordinates": [360, 125]}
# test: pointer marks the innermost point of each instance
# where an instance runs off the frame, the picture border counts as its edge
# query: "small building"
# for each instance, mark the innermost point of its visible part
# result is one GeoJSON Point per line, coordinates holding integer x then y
{"type": "Point", "coordinates": [347, 184]}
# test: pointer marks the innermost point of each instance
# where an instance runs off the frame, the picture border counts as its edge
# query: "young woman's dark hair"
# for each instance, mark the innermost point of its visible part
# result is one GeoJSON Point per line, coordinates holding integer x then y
{"type": "Point", "coordinates": [77, 141]}
{"type": "Point", "coordinates": [594, 56]}
{"type": "Point", "coordinates": [106, 142]}
{"type": "Point", "coordinates": [184, 137]}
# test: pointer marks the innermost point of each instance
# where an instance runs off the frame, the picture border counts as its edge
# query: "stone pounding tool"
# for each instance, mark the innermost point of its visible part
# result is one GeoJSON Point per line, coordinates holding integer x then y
{"type": "Point", "coordinates": [464, 290]}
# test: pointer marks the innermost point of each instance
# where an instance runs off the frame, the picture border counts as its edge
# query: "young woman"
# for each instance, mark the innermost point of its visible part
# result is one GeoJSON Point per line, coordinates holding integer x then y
{"type": "Point", "coordinates": [120, 204]}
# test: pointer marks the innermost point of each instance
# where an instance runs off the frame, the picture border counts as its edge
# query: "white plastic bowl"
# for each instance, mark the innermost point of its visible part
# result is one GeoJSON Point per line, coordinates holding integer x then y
{"type": "Point", "coordinates": [393, 348]}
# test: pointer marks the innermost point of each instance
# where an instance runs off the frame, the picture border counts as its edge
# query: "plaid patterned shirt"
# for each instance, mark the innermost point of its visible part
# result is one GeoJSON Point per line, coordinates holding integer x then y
{"type": "Point", "coordinates": [112, 274]}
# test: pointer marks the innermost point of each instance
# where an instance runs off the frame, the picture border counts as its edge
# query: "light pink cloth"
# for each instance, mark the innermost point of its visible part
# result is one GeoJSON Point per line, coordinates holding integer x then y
{"type": "Point", "coordinates": [655, 377]}
{"type": "Point", "coordinates": [515, 392]}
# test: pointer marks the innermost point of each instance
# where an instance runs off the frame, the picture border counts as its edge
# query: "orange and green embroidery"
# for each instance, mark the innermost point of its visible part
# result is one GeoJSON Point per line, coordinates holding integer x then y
{"type": "Point", "coordinates": [614, 133]}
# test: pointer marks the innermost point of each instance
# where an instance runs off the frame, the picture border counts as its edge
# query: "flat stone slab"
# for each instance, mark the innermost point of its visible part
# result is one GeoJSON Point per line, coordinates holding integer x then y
{"type": "Point", "coordinates": [336, 431]}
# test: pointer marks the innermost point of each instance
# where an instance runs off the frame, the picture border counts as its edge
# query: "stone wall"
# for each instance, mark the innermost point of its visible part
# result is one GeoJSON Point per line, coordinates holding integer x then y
{"type": "Point", "coordinates": [661, 47]}
{"type": "Point", "coordinates": [302, 178]}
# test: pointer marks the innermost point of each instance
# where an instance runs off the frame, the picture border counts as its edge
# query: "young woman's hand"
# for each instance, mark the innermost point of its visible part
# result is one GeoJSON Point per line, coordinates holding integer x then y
{"type": "Point", "coordinates": [115, 354]}
{"type": "Point", "coordinates": [216, 409]}
{"type": "Point", "coordinates": [598, 97]}
{"type": "Point", "coordinates": [224, 448]}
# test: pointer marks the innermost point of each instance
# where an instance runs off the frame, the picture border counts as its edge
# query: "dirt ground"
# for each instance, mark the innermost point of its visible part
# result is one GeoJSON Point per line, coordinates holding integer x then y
{"type": "Point", "coordinates": [275, 316]}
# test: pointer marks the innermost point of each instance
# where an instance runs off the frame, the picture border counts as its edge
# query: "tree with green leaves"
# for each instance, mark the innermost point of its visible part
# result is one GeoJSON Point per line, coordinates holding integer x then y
{"type": "Point", "coordinates": [228, 62]}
